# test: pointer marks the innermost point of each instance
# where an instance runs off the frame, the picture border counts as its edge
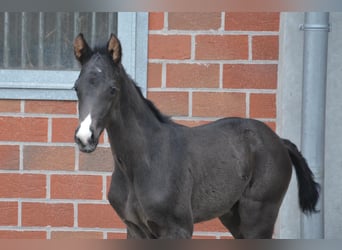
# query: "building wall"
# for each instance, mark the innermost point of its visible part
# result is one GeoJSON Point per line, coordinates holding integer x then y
{"type": "Point", "coordinates": [202, 66]}
{"type": "Point", "coordinates": [289, 121]}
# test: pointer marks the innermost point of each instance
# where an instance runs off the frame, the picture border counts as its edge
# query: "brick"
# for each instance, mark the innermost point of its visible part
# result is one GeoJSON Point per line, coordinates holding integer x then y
{"type": "Point", "coordinates": [75, 235]}
{"type": "Point", "coordinates": [263, 106]}
{"type": "Point", "coordinates": [194, 21]}
{"type": "Point", "coordinates": [98, 215]}
{"type": "Point", "coordinates": [216, 104]}
{"type": "Point", "coordinates": [169, 47]}
{"type": "Point", "coordinates": [210, 226]}
{"type": "Point", "coordinates": [116, 236]}
{"type": "Point", "coordinates": [108, 181]}
{"type": "Point", "coordinates": [51, 107]}
{"type": "Point", "coordinates": [222, 47]}
{"type": "Point", "coordinates": [192, 75]}
{"type": "Point", "coordinates": [8, 213]}
{"type": "Point", "coordinates": [250, 76]}
{"type": "Point", "coordinates": [76, 187]}
{"type": "Point", "coordinates": [252, 21]}
{"type": "Point", "coordinates": [47, 214]}
{"type": "Point", "coordinates": [156, 20]}
{"type": "Point", "coordinates": [63, 129]}
{"type": "Point", "coordinates": [9, 234]}
{"type": "Point", "coordinates": [154, 75]}
{"type": "Point", "coordinates": [9, 106]}
{"type": "Point", "coordinates": [49, 158]}
{"type": "Point", "coordinates": [23, 186]}
{"type": "Point", "coordinates": [99, 160]}
{"type": "Point", "coordinates": [9, 157]}
{"type": "Point", "coordinates": [265, 47]}
{"type": "Point", "coordinates": [171, 103]}
{"type": "Point", "coordinates": [26, 129]}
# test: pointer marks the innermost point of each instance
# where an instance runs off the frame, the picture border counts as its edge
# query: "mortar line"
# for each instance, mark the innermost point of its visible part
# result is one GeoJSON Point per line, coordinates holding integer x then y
{"type": "Point", "coordinates": [221, 76]}
{"type": "Point", "coordinates": [35, 115]}
{"type": "Point", "coordinates": [48, 233]}
{"type": "Point", "coordinates": [250, 48]}
{"type": "Point", "coordinates": [22, 106]}
{"type": "Point", "coordinates": [193, 47]}
{"type": "Point", "coordinates": [75, 215]}
{"type": "Point", "coordinates": [217, 32]}
{"type": "Point", "coordinates": [166, 22]}
{"type": "Point", "coordinates": [67, 229]}
{"type": "Point", "coordinates": [49, 139]}
{"type": "Point", "coordinates": [223, 21]}
{"type": "Point", "coordinates": [21, 157]}
{"type": "Point", "coordinates": [56, 172]}
{"type": "Point", "coordinates": [217, 90]}
{"type": "Point", "coordinates": [247, 105]}
{"type": "Point", "coordinates": [211, 61]}
{"type": "Point", "coordinates": [104, 187]}
{"type": "Point", "coordinates": [19, 213]}
{"type": "Point", "coordinates": [43, 144]}
{"type": "Point", "coordinates": [56, 201]}
{"type": "Point", "coordinates": [48, 186]}
{"type": "Point", "coordinates": [163, 83]}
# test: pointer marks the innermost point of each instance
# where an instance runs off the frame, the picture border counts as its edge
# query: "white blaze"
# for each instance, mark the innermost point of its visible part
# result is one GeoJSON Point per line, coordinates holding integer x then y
{"type": "Point", "coordinates": [84, 132]}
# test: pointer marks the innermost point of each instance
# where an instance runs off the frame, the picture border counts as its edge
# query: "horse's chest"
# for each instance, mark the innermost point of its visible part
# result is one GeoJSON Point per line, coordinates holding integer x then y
{"type": "Point", "coordinates": [132, 210]}
{"type": "Point", "coordinates": [125, 202]}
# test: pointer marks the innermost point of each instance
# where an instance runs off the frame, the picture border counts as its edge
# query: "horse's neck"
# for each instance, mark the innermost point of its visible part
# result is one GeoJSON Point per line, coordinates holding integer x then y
{"type": "Point", "coordinates": [133, 125]}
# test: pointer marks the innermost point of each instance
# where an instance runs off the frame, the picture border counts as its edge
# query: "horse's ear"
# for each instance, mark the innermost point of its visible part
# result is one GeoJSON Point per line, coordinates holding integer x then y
{"type": "Point", "coordinates": [114, 48]}
{"type": "Point", "coordinates": [81, 49]}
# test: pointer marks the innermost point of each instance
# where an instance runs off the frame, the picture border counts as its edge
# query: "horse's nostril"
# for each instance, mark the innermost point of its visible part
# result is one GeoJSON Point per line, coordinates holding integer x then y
{"type": "Point", "coordinates": [78, 141]}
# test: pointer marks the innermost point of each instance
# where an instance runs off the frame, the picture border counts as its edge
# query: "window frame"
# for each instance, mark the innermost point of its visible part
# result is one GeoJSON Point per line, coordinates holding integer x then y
{"type": "Point", "coordinates": [57, 84]}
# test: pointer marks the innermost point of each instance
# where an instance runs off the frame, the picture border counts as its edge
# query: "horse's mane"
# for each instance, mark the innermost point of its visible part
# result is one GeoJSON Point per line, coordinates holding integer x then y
{"type": "Point", "coordinates": [160, 116]}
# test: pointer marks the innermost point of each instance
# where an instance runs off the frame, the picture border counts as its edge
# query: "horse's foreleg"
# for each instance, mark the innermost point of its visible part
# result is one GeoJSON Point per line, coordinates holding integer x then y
{"type": "Point", "coordinates": [134, 232]}
{"type": "Point", "coordinates": [171, 229]}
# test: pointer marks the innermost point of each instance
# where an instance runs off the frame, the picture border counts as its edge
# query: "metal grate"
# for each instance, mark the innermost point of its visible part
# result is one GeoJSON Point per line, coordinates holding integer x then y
{"type": "Point", "coordinates": [38, 40]}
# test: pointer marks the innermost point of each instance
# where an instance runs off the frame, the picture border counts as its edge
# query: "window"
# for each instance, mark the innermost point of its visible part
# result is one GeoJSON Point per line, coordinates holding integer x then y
{"type": "Point", "coordinates": [44, 40]}
{"type": "Point", "coordinates": [36, 50]}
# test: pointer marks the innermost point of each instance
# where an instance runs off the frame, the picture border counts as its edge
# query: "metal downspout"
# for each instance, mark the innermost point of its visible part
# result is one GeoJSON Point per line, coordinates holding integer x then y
{"type": "Point", "coordinates": [316, 28]}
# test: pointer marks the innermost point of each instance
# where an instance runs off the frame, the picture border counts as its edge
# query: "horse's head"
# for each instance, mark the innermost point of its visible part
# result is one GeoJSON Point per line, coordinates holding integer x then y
{"type": "Point", "coordinates": [97, 89]}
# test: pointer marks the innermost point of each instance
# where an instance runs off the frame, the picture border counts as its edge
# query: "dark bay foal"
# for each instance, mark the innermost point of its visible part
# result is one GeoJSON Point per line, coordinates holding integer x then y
{"type": "Point", "coordinates": [167, 176]}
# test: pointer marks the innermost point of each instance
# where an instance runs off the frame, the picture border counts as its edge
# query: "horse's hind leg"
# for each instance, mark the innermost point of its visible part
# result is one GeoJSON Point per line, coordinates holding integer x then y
{"type": "Point", "coordinates": [231, 221]}
{"type": "Point", "coordinates": [257, 218]}
{"type": "Point", "coordinates": [250, 219]}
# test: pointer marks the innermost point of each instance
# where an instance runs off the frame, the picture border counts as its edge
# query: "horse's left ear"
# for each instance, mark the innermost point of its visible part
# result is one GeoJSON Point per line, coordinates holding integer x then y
{"type": "Point", "coordinates": [114, 48]}
{"type": "Point", "coordinates": [81, 49]}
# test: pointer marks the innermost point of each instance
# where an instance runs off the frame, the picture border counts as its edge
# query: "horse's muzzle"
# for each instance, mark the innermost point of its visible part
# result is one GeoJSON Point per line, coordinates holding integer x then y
{"type": "Point", "coordinates": [88, 145]}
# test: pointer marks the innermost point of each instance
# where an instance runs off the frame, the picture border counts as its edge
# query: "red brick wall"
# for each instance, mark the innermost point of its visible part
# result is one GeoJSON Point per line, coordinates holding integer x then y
{"type": "Point", "coordinates": [211, 65]}
{"type": "Point", "coordinates": [201, 67]}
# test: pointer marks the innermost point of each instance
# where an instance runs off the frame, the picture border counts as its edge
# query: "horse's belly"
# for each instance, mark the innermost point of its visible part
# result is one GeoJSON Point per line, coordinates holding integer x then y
{"type": "Point", "coordinates": [214, 201]}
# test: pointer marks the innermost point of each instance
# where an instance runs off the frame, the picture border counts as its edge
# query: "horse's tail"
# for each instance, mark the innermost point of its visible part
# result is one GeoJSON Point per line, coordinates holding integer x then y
{"type": "Point", "coordinates": [308, 189]}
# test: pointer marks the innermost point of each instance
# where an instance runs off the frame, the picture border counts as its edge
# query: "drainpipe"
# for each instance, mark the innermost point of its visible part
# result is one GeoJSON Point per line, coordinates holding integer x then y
{"type": "Point", "coordinates": [316, 28]}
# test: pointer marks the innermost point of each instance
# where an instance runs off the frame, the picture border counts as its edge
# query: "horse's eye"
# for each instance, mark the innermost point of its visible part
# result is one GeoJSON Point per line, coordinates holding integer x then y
{"type": "Point", "coordinates": [113, 90]}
